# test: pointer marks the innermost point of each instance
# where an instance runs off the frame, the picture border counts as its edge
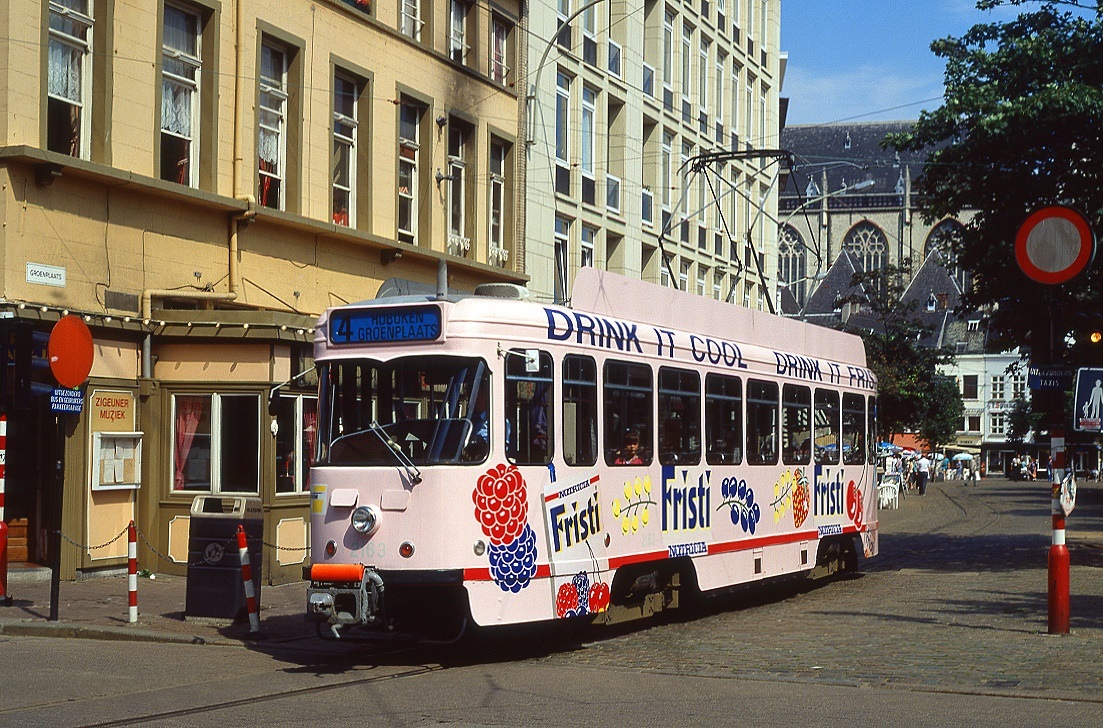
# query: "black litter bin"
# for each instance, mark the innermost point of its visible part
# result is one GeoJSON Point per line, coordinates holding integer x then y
{"type": "Point", "coordinates": [215, 588]}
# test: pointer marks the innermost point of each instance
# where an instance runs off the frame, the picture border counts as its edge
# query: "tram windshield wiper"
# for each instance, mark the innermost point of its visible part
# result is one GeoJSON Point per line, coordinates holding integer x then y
{"type": "Point", "coordinates": [404, 461]}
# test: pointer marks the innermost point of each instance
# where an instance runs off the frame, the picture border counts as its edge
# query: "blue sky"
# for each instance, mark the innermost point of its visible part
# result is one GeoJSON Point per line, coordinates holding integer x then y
{"type": "Point", "coordinates": [869, 60]}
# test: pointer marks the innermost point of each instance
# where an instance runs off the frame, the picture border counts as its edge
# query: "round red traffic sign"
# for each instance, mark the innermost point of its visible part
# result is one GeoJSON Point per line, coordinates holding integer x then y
{"type": "Point", "coordinates": [71, 351]}
{"type": "Point", "coordinates": [1054, 245]}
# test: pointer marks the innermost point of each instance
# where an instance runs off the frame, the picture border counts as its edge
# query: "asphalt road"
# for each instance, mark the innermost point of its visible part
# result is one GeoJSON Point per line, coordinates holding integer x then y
{"type": "Point", "coordinates": [947, 627]}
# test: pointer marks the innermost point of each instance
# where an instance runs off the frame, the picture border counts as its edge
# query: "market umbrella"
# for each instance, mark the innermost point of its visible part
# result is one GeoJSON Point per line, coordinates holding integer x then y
{"type": "Point", "coordinates": [963, 456]}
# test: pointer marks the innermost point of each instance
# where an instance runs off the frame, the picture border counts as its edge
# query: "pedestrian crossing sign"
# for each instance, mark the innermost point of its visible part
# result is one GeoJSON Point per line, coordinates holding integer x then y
{"type": "Point", "coordinates": [1088, 402]}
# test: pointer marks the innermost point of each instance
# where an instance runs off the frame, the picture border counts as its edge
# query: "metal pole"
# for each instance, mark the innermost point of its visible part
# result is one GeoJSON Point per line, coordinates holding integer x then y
{"type": "Point", "coordinates": [1058, 551]}
{"type": "Point", "coordinates": [59, 491]}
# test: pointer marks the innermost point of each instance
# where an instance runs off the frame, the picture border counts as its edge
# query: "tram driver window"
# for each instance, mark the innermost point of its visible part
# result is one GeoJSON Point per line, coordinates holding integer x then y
{"type": "Point", "coordinates": [529, 391]}
{"type": "Point", "coordinates": [762, 422]}
{"type": "Point", "coordinates": [723, 419]}
{"type": "Point", "coordinates": [827, 427]}
{"type": "Point", "coordinates": [796, 411]}
{"type": "Point", "coordinates": [854, 429]}
{"type": "Point", "coordinates": [679, 417]}
{"type": "Point", "coordinates": [579, 410]}
{"type": "Point", "coordinates": [628, 396]}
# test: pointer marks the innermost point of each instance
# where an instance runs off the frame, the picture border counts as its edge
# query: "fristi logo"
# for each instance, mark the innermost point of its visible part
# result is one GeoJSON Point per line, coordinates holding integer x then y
{"type": "Point", "coordinates": [828, 499]}
{"type": "Point", "coordinates": [576, 525]}
{"type": "Point", "coordinates": [687, 500]}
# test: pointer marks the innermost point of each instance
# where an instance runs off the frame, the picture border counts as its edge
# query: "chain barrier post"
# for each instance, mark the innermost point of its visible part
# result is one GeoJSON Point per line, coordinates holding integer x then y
{"type": "Point", "coordinates": [132, 571]}
{"type": "Point", "coordinates": [1058, 551]}
{"type": "Point", "coordinates": [247, 577]}
{"type": "Point", "coordinates": [5, 598]}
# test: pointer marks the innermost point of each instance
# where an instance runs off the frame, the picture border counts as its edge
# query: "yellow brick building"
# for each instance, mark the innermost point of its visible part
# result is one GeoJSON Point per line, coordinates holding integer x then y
{"type": "Point", "coordinates": [198, 180]}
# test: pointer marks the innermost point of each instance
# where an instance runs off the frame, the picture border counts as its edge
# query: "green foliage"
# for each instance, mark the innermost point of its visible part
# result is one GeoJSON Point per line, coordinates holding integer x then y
{"type": "Point", "coordinates": [912, 395]}
{"type": "Point", "coordinates": [1021, 420]}
{"type": "Point", "coordinates": [1019, 129]}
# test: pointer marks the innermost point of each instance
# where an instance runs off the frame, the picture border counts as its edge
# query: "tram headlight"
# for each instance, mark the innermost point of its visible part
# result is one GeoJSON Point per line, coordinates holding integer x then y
{"type": "Point", "coordinates": [365, 519]}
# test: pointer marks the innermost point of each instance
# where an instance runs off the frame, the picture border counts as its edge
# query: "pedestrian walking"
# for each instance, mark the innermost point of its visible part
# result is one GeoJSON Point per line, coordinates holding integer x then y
{"type": "Point", "coordinates": [922, 472]}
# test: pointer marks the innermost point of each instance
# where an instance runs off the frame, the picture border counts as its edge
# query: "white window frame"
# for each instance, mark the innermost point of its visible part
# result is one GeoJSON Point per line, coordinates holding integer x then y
{"type": "Point", "coordinates": [588, 134]}
{"type": "Point", "coordinates": [703, 74]}
{"type": "Point", "coordinates": [587, 246]}
{"type": "Point", "coordinates": [458, 242]}
{"type": "Point", "coordinates": [296, 472]}
{"type": "Point", "coordinates": [687, 58]}
{"type": "Point", "coordinates": [80, 49]}
{"type": "Point", "coordinates": [668, 51]}
{"type": "Point", "coordinates": [345, 132]}
{"type": "Point", "coordinates": [272, 120]}
{"type": "Point", "coordinates": [499, 50]}
{"type": "Point", "coordinates": [457, 31]}
{"type": "Point", "coordinates": [667, 169]}
{"type": "Point", "coordinates": [409, 166]}
{"type": "Point", "coordinates": [410, 22]}
{"type": "Point", "coordinates": [721, 61]}
{"type": "Point", "coordinates": [998, 387]}
{"type": "Point", "coordinates": [188, 85]}
{"type": "Point", "coordinates": [562, 119]}
{"type": "Point", "coordinates": [216, 454]}
{"type": "Point", "coordinates": [496, 204]}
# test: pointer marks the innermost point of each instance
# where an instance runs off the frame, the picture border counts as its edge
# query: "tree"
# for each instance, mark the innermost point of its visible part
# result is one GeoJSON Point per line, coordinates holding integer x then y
{"type": "Point", "coordinates": [912, 396]}
{"type": "Point", "coordinates": [1018, 130]}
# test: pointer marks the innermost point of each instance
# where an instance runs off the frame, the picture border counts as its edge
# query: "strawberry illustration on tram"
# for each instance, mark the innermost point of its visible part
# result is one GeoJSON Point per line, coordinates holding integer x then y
{"type": "Point", "coordinates": [492, 460]}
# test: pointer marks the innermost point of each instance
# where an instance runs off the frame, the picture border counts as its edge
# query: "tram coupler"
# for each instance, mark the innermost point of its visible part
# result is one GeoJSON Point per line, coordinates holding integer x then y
{"type": "Point", "coordinates": [343, 595]}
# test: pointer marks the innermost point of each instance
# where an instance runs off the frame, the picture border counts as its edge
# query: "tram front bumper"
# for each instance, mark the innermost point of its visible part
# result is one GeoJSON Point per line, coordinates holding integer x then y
{"type": "Point", "coordinates": [344, 595]}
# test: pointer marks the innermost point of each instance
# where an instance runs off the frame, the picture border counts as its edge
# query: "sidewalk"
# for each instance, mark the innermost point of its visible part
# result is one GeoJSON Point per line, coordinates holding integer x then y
{"type": "Point", "coordinates": [97, 608]}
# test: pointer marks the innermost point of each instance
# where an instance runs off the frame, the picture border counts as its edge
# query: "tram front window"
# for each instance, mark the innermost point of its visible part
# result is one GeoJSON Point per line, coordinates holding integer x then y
{"type": "Point", "coordinates": [431, 409]}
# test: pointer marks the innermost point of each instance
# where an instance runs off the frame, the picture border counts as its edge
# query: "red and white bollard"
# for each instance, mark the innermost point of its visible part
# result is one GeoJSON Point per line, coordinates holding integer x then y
{"type": "Point", "coordinates": [132, 571]}
{"type": "Point", "coordinates": [5, 598]}
{"type": "Point", "coordinates": [247, 578]}
{"type": "Point", "coordinates": [1058, 551]}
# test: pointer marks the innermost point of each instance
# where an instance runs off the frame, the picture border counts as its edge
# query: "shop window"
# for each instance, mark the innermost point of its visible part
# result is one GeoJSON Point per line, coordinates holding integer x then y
{"type": "Point", "coordinates": [216, 443]}
{"type": "Point", "coordinates": [296, 434]}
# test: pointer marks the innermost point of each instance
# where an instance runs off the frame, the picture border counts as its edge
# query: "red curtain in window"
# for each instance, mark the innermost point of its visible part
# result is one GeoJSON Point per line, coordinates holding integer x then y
{"type": "Point", "coordinates": [189, 412]}
{"type": "Point", "coordinates": [266, 181]}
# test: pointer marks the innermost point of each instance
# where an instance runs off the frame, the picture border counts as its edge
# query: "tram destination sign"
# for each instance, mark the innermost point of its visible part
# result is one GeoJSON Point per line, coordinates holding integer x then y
{"type": "Point", "coordinates": [385, 324]}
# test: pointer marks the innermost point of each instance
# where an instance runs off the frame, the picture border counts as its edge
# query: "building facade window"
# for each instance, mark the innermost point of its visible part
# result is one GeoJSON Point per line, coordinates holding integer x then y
{"type": "Point", "coordinates": [181, 67]}
{"type": "Point", "coordinates": [587, 144]}
{"type": "Point", "coordinates": [345, 102]}
{"type": "Point", "coordinates": [500, 31]}
{"type": "Point", "coordinates": [562, 247]}
{"type": "Point", "coordinates": [457, 31]}
{"type": "Point", "coordinates": [409, 170]}
{"type": "Point", "coordinates": [562, 133]}
{"type": "Point", "coordinates": [687, 59]}
{"type": "Point", "coordinates": [668, 51]}
{"type": "Point", "coordinates": [216, 443]}
{"type": "Point", "coordinates": [997, 423]}
{"type": "Point", "coordinates": [272, 123]}
{"type": "Point", "coordinates": [969, 388]}
{"type": "Point", "coordinates": [458, 241]}
{"type": "Point", "coordinates": [410, 22]}
{"type": "Point", "coordinates": [589, 238]}
{"type": "Point", "coordinates": [498, 156]}
{"type": "Point", "coordinates": [296, 431]}
{"type": "Point", "coordinates": [69, 85]}
{"type": "Point", "coordinates": [1018, 386]}
{"type": "Point", "coordinates": [997, 387]}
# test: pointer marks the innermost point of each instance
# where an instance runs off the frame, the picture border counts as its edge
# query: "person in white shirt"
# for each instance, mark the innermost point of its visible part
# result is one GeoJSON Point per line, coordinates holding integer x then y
{"type": "Point", "coordinates": [922, 472]}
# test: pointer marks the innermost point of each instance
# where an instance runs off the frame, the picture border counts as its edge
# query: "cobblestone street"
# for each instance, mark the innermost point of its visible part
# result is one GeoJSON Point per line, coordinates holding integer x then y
{"type": "Point", "coordinates": [956, 602]}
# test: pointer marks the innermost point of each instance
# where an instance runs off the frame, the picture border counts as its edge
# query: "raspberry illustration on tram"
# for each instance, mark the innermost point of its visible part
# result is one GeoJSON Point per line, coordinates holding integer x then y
{"type": "Point", "coordinates": [488, 460]}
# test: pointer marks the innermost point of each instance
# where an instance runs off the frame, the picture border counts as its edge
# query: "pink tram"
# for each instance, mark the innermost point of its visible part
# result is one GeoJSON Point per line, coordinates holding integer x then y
{"type": "Point", "coordinates": [505, 461]}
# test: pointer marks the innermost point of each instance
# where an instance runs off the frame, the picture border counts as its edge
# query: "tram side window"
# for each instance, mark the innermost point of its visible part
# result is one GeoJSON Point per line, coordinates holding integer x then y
{"type": "Point", "coordinates": [679, 417]}
{"type": "Point", "coordinates": [854, 429]}
{"type": "Point", "coordinates": [796, 412]}
{"type": "Point", "coordinates": [872, 402]}
{"type": "Point", "coordinates": [579, 410]}
{"type": "Point", "coordinates": [529, 390]}
{"type": "Point", "coordinates": [827, 427]}
{"type": "Point", "coordinates": [762, 422]}
{"type": "Point", "coordinates": [724, 419]}
{"type": "Point", "coordinates": [628, 398]}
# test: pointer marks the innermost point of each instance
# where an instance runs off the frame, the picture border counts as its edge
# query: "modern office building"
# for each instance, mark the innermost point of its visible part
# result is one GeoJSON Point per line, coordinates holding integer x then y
{"type": "Point", "coordinates": [622, 102]}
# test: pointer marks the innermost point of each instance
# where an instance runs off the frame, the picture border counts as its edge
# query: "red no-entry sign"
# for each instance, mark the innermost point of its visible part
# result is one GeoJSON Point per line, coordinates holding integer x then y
{"type": "Point", "coordinates": [1054, 245]}
{"type": "Point", "coordinates": [71, 351]}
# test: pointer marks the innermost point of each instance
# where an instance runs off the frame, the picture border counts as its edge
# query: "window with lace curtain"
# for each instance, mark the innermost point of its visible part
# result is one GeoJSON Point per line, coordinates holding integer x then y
{"type": "Point", "coordinates": [272, 126]}
{"type": "Point", "coordinates": [69, 82]}
{"type": "Point", "coordinates": [181, 67]}
{"type": "Point", "coordinates": [498, 155]}
{"type": "Point", "coordinates": [410, 21]}
{"type": "Point", "coordinates": [457, 30]}
{"type": "Point", "coordinates": [499, 49]}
